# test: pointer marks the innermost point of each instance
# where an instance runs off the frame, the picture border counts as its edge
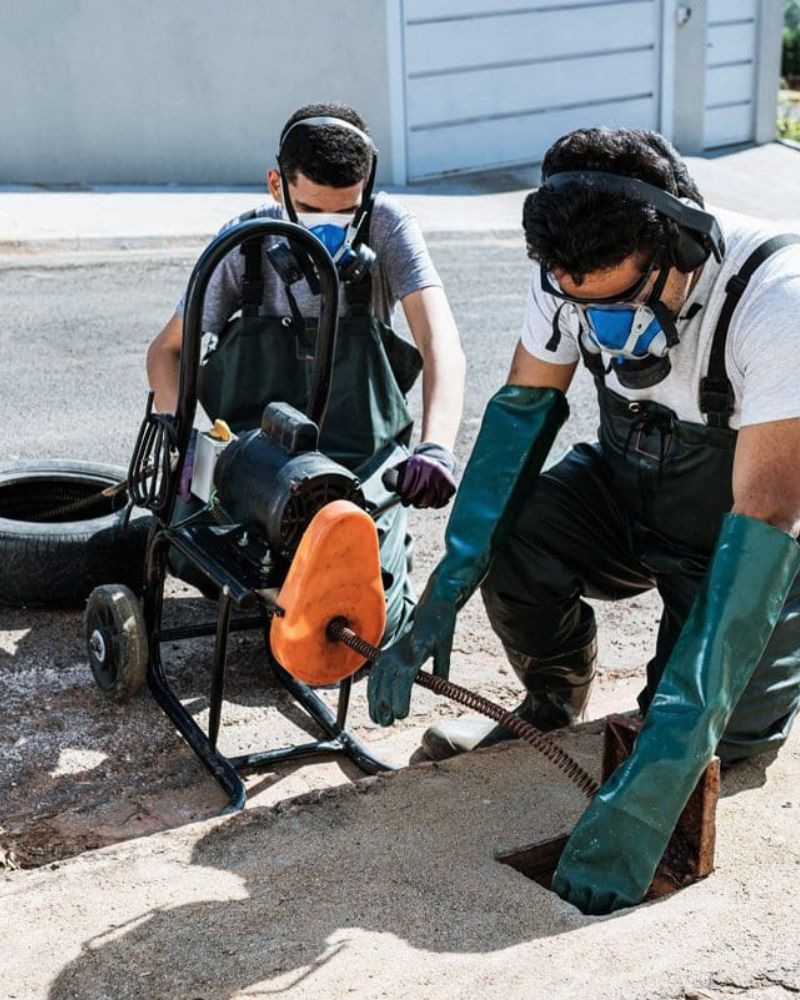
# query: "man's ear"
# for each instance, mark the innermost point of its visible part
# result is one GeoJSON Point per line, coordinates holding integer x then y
{"type": "Point", "coordinates": [274, 185]}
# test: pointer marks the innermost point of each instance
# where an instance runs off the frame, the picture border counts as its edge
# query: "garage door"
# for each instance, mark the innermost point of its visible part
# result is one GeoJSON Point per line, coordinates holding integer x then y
{"type": "Point", "coordinates": [494, 82]}
{"type": "Point", "coordinates": [731, 72]}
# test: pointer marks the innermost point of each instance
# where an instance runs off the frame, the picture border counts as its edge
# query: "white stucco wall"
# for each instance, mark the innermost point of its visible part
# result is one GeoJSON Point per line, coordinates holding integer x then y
{"type": "Point", "coordinates": [184, 91]}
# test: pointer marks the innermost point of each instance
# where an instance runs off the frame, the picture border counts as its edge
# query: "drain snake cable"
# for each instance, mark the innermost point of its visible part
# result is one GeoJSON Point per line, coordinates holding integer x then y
{"type": "Point", "coordinates": [339, 631]}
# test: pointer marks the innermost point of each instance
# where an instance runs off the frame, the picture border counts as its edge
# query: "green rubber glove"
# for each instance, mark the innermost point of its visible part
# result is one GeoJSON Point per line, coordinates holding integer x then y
{"type": "Point", "coordinates": [518, 430]}
{"type": "Point", "coordinates": [612, 854]}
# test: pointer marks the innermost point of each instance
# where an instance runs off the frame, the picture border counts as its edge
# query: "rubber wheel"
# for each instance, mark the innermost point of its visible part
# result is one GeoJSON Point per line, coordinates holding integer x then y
{"type": "Point", "coordinates": [116, 641]}
{"type": "Point", "coordinates": [53, 561]}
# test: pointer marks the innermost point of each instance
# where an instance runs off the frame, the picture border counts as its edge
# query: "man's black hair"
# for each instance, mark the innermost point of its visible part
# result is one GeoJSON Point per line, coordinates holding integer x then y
{"type": "Point", "coordinates": [581, 229]}
{"type": "Point", "coordinates": [335, 157]}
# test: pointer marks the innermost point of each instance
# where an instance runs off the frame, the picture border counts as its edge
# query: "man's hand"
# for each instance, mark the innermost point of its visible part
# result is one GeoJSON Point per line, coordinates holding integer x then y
{"type": "Point", "coordinates": [393, 673]}
{"type": "Point", "coordinates": [426, 478]}
{"type": "Point", "coordinates": [608, 861]}
{"type": "Point", "coordinates": [611, 855]}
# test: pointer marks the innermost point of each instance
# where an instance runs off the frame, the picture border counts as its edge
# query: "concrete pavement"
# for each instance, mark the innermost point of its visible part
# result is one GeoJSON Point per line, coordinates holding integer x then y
{"type": "Point", "coordinates": [762, 181]}
{"type": "Point", "coordinates": [389, 889]}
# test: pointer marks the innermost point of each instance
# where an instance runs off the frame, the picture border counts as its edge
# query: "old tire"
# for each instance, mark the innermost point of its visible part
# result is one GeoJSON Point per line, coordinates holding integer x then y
{"type": "Point", "coordinates": [116, 641]}
{"type": "Point", "coordinates": [56, 563]}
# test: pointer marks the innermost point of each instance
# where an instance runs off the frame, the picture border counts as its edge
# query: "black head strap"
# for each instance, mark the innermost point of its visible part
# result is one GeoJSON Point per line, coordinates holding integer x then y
{"type": "Point", "coordinates": [686, 213]}
{"type": "Point", "coordinates": [359, 293]}
{"type": "Point", "coordinates": [665, 317]}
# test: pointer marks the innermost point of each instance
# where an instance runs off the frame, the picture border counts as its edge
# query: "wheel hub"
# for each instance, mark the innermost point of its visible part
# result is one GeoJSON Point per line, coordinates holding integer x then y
{"type": "Point", "coordinates": [97, 643]}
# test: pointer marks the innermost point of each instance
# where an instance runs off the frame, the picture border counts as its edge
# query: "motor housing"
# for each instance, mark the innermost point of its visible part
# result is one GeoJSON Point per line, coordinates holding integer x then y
{"type": "Point", "coordinates": [274, 480]}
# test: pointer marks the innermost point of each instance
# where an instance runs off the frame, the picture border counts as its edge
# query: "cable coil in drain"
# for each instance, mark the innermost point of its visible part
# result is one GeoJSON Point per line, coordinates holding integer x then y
{"type": "Point", "coordinates": [338, 631]}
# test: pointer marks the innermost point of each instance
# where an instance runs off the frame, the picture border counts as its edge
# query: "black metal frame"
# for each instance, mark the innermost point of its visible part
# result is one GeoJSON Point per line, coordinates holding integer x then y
{"type": "Point", "coordinates": [243, 583]}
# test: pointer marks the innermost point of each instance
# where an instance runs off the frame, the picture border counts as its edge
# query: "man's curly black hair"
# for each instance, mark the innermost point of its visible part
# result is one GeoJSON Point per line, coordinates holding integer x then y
{"type": "Point", "coordinates": [582, 229]}
{"type": "Point", "coordinates": [326, 154]}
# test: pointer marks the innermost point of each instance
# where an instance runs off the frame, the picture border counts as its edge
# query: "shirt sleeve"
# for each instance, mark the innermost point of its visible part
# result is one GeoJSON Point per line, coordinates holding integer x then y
{"type": "Point", "coordinates": [537, 327]}
{"type": "Point", "coordinates": [224, 290]}
{"type": "Point", "coordinates": [764, 339]}
{"type": "Point", "coordinates": [404, 257]}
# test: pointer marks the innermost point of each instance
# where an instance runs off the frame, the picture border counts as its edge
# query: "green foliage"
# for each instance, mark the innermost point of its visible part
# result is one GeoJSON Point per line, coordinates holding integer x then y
{"type": "Point", "coordinates": [791, 15]}
{"type": "Point", "coordinates": [789, 128]}
{"type": "Point", "coordinates": [790, 60]}
{"type": "Point", "coordinates": [788, 123]}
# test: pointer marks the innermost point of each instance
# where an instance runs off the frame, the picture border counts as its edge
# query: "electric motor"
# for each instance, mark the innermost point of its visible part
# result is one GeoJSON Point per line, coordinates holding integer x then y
{"type": "Point", "coordinates": [274, 480]}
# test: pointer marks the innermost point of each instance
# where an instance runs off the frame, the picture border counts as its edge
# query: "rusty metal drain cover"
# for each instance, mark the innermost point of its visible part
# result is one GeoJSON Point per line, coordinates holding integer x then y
{"type": "Point", "coordinates": [690, 853]}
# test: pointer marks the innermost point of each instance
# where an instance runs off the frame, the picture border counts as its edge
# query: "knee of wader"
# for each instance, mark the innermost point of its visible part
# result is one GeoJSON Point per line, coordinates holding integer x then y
{"type": "Point", "coordinates": [511, 598]}
{"type": "Point", "coordinates": [539, 624]}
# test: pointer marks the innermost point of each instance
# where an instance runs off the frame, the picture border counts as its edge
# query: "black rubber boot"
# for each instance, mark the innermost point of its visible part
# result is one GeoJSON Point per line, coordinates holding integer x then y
{"type": "Point", "coordinates": [558, 692]}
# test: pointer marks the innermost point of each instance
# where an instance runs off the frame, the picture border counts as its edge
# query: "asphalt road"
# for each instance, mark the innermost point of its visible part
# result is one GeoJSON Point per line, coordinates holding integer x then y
{"type": "Point", "coordinates": [75, 327]}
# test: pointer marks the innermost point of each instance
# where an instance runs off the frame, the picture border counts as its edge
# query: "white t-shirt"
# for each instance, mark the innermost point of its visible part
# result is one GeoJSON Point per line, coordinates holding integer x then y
{"type": "Point", "coordinates": [762, 355]}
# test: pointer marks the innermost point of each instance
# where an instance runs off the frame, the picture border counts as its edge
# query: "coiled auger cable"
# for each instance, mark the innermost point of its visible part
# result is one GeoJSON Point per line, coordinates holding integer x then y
{"type": "Point", "coordinates": [339, 631]}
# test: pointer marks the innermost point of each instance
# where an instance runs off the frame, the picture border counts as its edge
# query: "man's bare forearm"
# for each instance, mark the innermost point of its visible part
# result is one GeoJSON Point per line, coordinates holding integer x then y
{"type": "Point", "coordinates": [436, 335]}
{"type": "Point", "coordinates": [163, 365]}
{"type": "Point", "coordinates": [443, 398]}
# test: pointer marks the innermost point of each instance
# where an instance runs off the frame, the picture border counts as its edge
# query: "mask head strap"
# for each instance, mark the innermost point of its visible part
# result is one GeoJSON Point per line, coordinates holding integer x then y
{"type": "Point", "coordinates": [664, 316]}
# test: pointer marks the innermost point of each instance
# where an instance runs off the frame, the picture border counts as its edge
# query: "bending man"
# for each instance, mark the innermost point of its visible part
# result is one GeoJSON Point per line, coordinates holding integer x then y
{"type": "Point", "coordinates": [686, 321]}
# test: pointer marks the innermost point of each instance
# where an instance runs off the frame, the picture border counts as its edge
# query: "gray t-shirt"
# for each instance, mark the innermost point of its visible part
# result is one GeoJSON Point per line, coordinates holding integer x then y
{"type": "Point", "coordinates": [403, 266]}
{"type": "Point", "coordinates": [762, 354]}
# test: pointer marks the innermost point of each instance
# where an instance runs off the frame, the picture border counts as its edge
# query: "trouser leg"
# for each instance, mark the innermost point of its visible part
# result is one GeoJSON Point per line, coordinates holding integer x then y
{"type": "Point", "coordinates": [679, 575]}
{"type": "Point", "coordinates": [557, 687]}
{"type": "Point", "coordinates": [571, 541]}
{"type": "Point", "coordinates": [394, 541]}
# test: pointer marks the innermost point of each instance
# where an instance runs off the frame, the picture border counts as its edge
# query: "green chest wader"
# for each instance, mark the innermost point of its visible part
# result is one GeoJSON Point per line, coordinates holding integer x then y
{"type": "Point", "coordinates": [367, 426]}
{"type": "Point", "coordinates": [675, 478]}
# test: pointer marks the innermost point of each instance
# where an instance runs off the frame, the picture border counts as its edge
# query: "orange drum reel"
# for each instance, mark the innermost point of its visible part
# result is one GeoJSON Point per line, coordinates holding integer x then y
{"type": "Point", "coordinates": [335, 573]}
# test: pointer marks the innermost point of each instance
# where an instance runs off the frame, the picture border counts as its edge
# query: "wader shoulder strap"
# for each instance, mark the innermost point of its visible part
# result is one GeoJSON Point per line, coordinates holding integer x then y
{"type": "Point", "coordinates": [359, 295]}
{"type": "Point", "coordinates": [594, 362]}
{"type": "Point", "coordinates": [253, 280]}
{"type": "Point", "coordinates": [716, 391]}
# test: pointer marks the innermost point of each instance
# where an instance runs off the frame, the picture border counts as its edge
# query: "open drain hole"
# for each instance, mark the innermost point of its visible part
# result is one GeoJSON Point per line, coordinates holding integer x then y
{"type": "Point", "coordinates": [537, 861]}
{"type": "Point", "coordinates": [690, 852]}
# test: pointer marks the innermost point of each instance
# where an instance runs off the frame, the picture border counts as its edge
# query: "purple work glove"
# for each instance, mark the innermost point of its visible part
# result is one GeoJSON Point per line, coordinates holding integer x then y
{"type": "Point", "coordinates": [184, 487]}
{"type": "Point", "coordinates": [426, 478]}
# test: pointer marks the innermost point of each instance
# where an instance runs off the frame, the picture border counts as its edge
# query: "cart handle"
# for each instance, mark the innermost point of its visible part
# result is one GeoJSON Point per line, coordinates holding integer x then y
{"type": "Point", "coordinates": [193, 322]}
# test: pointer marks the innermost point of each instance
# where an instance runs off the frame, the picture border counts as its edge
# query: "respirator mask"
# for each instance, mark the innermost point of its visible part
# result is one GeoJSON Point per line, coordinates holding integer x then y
{"type": "Point", "coordinates": [634, 336]}
{"type": "Point", "coordinates": [337, 233]}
